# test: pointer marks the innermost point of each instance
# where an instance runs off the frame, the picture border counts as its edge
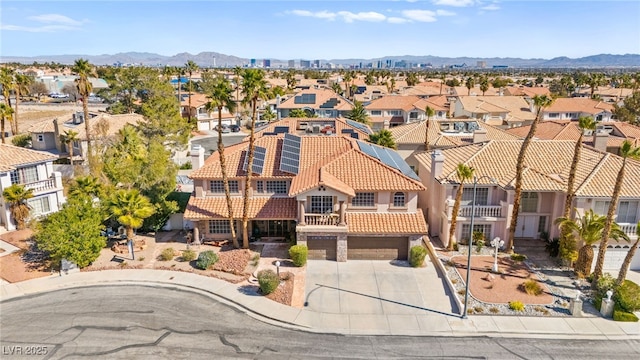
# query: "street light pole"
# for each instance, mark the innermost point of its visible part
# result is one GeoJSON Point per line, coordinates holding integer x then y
{"type": "Point", "coordinates": [469, 243]}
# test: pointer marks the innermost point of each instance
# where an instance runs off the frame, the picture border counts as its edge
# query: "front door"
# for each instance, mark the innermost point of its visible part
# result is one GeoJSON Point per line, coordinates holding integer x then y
{"type": "Point", "coordinates": [527, 226]}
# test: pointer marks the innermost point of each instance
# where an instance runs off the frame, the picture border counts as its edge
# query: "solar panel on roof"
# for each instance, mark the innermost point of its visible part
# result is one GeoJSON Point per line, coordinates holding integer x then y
{"type": "Point", "coordinates": [389, 157]}
{"type": "Point", "coordinates": [402, 165]}
{"type": "Point", "coordinates": [281, 129]}
{"type": "Point", "coordinates": [384, 157]}
{"type": "Point", "coordinates": [269, 133]}
{"type": "Point", "coordinates": [259, 154]}
{"type": "Point", "coordinates": [290, 157]}
{"type": "Point", "coordinates": [360, 126]}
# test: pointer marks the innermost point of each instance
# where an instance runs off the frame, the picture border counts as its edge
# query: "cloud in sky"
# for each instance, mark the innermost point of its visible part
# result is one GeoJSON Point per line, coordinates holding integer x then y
{"type": "Point", "coordinates": [491, 7]}
{"type": "Point", "coordinates": [54, 23]}
{"type": "Point", "coordinates": [456, 3]}
{"type": "Point", "coordinates": [372, 16]}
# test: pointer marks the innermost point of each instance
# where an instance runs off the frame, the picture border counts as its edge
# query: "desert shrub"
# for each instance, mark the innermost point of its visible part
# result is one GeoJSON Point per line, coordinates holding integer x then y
{"type": "Point", "coordinates": [167, 254]}
{"type": "Point", "coordinates": [552, 246]}
{"type": "Point", "coordinates": [298, 254]}
{"type": "Point", "coordinates": [479, 245]}
{"type": "Point", "coordinates": [22, 140]}
{"type": "Point", "coordinates": [531, 287]}
{"type": "Point", "coordinates": [188, 255]}
{"type": "Point", "coordinates": [417, 255]}
{"type": "Point", "coordinates": [268, 281]}
{"type": "Point", "coordinates": [518, 257]}
{"type": "Point", "coordinates": [516, 305]}
{"type": "Point", "coordinates": [454, 281]}
{"type": "Point", "coordinates": [462, 291]}
{"type": "Point", "coordinates": [206, 259]}
{"type": "Point", "coordinates": [605, 283]}
{"type": "Point", "coordinates": [494, 310]}
{"type": "Point", "coordinates": [478, 309]}
{"type": "Point", "coordinates": [186, 166]}
{"type": "Point", "coordinates": [628, 296]}
{"type": "Point", "coordinates": [621, 315]}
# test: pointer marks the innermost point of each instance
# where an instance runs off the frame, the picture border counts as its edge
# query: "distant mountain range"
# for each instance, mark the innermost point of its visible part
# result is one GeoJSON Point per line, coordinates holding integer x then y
{"type": "Point", "coordinates": [209, 59]}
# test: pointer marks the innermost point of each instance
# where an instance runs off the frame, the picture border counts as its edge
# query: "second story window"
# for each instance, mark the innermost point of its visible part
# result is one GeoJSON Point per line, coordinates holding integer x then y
{"type": "Point", "coordinates": [260, 186]}
{"type": "Point", "coordinates": [24, 175]}
{"type": "Point", "coordinates": [482, 196]}
{"type": "Point", "coordinates": [40, 138]}
{"type": "Point", "coordinates": [529, 202]}
{"type": "Point", "coordinates": [395, 112]}
{"type": "Point", "coordinates": [363, 199]}
{"type": "Point", "coordinates": [277, 186]}
{"type": "Point", "coordinates": [376, 112]}
{"type": "Point", "coordinates": [217, 186]}
{"type": "Point", "coordinates": [398, 199]}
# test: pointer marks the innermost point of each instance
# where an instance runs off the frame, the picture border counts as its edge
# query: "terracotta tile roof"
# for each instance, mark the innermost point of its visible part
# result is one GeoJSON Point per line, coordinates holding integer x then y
{"type": "Point", "coordinates": [526, 91]}
{"type": "Point", "coordinates": [386, 223]}
{"type": "Point", "coordinates": [294, 123]}
{"type": "Point", "coordinates": [197, 100]}
{"type": "Point", "coordinates": [568, 130]}
{"type": "Point", "coordinates": [419, 90]}
{"type": "Point", "coordinates": [516, 107]}
{"type": "Point", "coordinates": [259, 208]}
{"type": "Point", "coordinates": [322, 96]}
{"type": "Point", "coordinates": [413, 134]}
{"type": "Point", "coordinates": [547, 162]}
{"type": "Point", "coordinates": [582, 105]}
{"type": "Point", "coordinates": [393, 102]}
{"type": "Point", "coordinates": [14, 156]}
{"type": "Point", "coordinates": [115, 123]}
{"type": "Point", "coordinates": [436, 106]}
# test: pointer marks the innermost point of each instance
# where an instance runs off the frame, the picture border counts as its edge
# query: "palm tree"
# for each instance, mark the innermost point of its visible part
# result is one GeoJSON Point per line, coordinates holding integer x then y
{"type": "Point", "coordinates": [470, 83]}
{"type": "Point", "coordinates": [68, 138]}
{"type": "Point", "coordinates": [584, 123]}
{"type": "Point", "coordinates": [5, 113]}
{"type": "Point", "coordinates": [384, 138]}
{"type": "Point", "coordinates": [22, 83]}
{"type": "Point", "coordinates": [588, 229]}
{"type": "Point", "coordinates": [464, 173]}
{"type": "Point", "coordinates": [484, 84]}
{"type": "Point", "coordinates": [16, 197]}
{"type": "Point", "coordinates": [430, 113]}
{"type": "Point", "coordinates": [84, 69]}
{"type": "Point", "coordinates": [541, 102]}
{"type": "Point", "coordinates": [130, 208]}
{"type": "Point", "coordinates": [8, 83]}
{"type": "Point", "coordinates": [622, 274]}
{"type": "Point", "coordinates": [347, 83]}
{"type": "Point", "coordinates": [358, 113]}
{"type": "Point", "coordinates": [190, 68]}
{"type": "Point", "coordinates": [86, 186]}
{"type": "Point", "coordinates": [627, 151]}
{"type": "Point", "coordinates": [254, 87]}
{"type": "Point", "coordinates": [221, 96]}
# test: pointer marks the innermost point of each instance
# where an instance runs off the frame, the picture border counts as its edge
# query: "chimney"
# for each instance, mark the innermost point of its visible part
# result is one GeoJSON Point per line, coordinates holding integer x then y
{"type": "Point", "coordinates": [197, 156]}
{"type": "Point", "coordinates": [479, 136]}
{"type": "Point", "coordinates": [600, 138]}
{"type": "Point", "coordinates": [437, 163]}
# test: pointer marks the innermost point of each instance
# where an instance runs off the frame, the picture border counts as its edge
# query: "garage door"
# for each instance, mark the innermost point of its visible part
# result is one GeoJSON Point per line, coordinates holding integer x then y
{"type": "Point", "coordinates": [322, 247]}
{"type": "Point", "coordinates": [377, 248]}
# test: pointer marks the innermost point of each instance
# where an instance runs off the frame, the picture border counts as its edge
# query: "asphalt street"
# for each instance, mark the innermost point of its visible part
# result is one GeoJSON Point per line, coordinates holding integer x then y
{"type": "Point", "coordinates": [140, 322]}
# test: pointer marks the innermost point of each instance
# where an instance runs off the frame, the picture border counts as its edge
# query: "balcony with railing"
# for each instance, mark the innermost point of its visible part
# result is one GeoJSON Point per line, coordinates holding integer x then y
{"type": "Point", "coordinates": [629, 229]}
{"type": "Point", "coordinates": [322, 219]}
{"type": "Point", "coordinates": [42, 185]}
{"type": "Point", "coordinates": [481, 211]}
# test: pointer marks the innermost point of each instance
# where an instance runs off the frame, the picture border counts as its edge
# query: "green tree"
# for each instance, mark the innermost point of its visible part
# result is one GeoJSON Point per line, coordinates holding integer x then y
{"type": "Point", "coordinates": [629, 111]}
{"type": "Point", "coordinates": [163, 121]}
{"type": "Point", "coordinates": [291, 79]}
{"type": "Point", "coordinates": [484, 84]}
{"type": "Point", "coordinates": [5, 113]}
{"type": "Point", "coordinates": [190, 68]}
{"type": "Point", "coordinates": [540, 102]}
{"type": "Point", "coordinates": [624, 268]}
{"type": "Point", "coordinates": [73, 233]}
{"type": "Point", "coordinates": [7, 81]}
{"type": "Point", "coordinates": [470, 83]}
{"type": "Point", "coordinates": [268, 114]}
{"type": "Point", "coordinates": [589, 229]}
{"type": "Point", "coordinates": [584, 123]}
{"type": "Point", "coordinates": [464, 173]}
{"type": "Point", "coordinates": [130, 208]}
{"type": "Point", "coordinates": [68, 138]}
{"type": "Point", "coordinates": [348, 77]}
{"type": "Point", "coordinates": [412, 79]}
{"type": "Point", "coordinates": [88, 186]}
{"type": "Point", "coordinates": [301, 113]}
{"type": "Point", "coordinates": [627, 151]}
{"type": "Point", "coordinates": [83, 69]}
{"type": "Point", "coordinates": [220, 94]}
{"type": "Point", "coordinates": [254, 88]}
{"type": "Point", "coordinates": [358, 113]}
{"type": "Point", "coordinates": [22, 83]}
{"type": "Point", "coordinates": [17, 196]}
{"type": "Point", "coordinates": [430, 113]}
{"type": "Point", "coordinates": [384, 138]}
{"type": "Point", "coordinates": [337, 88]}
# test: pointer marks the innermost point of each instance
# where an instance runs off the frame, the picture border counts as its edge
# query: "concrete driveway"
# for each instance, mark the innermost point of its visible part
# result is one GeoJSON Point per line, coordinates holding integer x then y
{"type": "Point", "coordinates": [375, 287]}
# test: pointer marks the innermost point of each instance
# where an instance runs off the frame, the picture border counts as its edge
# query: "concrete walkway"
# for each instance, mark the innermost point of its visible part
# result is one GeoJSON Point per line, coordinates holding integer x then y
{"type": "Point", "coordinates": [425, 323]}
{"type": "Point", "coordinates": [8, 248]}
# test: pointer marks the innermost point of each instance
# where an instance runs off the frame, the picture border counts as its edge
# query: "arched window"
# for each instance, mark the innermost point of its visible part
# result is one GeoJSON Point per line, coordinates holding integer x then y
{"type": "Point", "coordinates": [398, 199]}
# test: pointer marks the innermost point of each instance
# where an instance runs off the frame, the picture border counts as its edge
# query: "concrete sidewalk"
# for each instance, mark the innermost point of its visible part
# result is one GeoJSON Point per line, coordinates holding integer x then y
{"type": "Point", "coordinates": [420, 324]}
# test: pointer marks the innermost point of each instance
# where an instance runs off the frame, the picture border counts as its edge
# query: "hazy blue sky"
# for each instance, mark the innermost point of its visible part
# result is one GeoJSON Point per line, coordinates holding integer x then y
{"type": "Point", "coordinates": [308, 29]}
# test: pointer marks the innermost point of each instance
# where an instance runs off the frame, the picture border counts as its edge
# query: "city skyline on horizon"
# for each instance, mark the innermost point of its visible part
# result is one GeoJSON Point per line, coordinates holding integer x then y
{"type": "Point", "coordinates": [476, 29]}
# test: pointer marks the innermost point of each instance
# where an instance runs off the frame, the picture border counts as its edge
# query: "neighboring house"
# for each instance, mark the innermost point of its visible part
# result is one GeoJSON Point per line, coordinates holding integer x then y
{"type": "Point", "coordinates": [502, 111]}
{"type": "Point", "coordinates": [316, 127]}
{"type": "Point", "coordinates": [206, 120]}
{"type": "Point", "coordinates": [343, 198]}
{"type": "Point", "coordinates": [544, 190]}
{"type": "Point", "coordinates": [410, 138]}
{"type": "Point", "coordinates": [46, 135]}
{"type": "Point", "coordinates": [526, 91]}
{"type": "Point", "coordinates": [426, 89]}
{"type": "Point", "coordinates": [33, 170]}
{"type": "Point", "coordinates": [607, 137]}
{"type": "Point", "coordinates": [607, 94]}
{"type": "Point", "coordinates": [574, 108]}
{"type": "Point", "coordinates": [366, 93]}
{"type": "Point", "coordinates": [393, 110]}
{"type": "Point", "coordinates": [323, 103]}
